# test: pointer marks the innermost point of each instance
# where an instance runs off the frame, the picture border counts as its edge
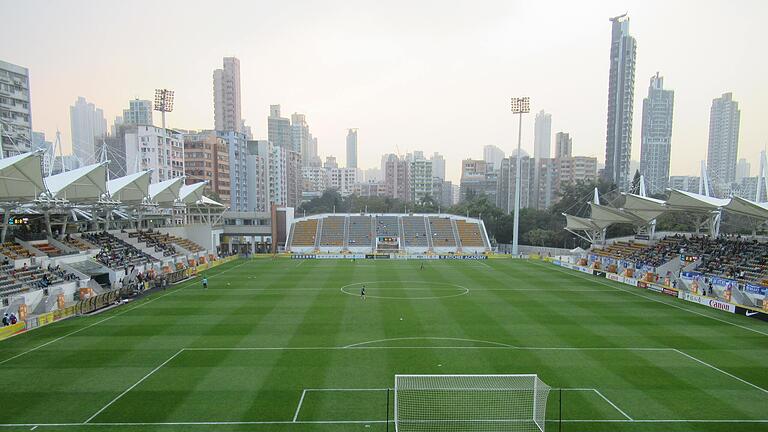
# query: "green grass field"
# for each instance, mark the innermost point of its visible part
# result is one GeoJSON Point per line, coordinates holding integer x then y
{"type": "Point", "coordinates": [288, 345]}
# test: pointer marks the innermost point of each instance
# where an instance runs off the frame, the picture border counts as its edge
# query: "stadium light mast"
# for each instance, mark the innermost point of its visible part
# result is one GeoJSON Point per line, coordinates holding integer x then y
{"type": "Point", "coordinates": [164, 104]}
{"type": "Point", "coordinates": [520, 106]}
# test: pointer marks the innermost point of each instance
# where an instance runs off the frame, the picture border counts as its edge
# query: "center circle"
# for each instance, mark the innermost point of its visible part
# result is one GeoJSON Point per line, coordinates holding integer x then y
{"type": "Point", "coordinates": [378, 289]}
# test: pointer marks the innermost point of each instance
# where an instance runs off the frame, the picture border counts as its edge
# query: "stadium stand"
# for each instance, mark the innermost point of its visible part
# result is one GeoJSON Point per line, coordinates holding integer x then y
{"type": "Point", "coordinates": [359, 231]}
{"type": "Point", "coordinates": [77, 243]}
{"type": "Point", "coordinates": [116, 253]}
{"type": "Point", "coordinates": [15, 251]}
{"type": "Point", "coordinates": [415, 231]}
{"type": "Point", "coordinates": [332, 232]}
{"type": "Point", "coordinates": [23, 279]}
{"type": "Point", "coordinates": [160, 242]}
{"type": "Point", "coordinates": [48, 249]}
{"type": "Point", "coordinates": [387, 226]}
{"type": "Point", "coordinates": [304, 232]}
{"type": "Point", "coordinates": [442, 232]}
{"type": "Point", "coordinates": [469, 234]}
{"type": "Point", "coordinates": [619, 250]}
{"type": "Point", "coordinates": [388, 233]}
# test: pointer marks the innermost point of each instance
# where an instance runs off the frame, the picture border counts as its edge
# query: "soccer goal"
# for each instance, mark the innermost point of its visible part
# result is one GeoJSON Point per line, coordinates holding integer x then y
{"type": "Point", "coordinates": [468, 403]}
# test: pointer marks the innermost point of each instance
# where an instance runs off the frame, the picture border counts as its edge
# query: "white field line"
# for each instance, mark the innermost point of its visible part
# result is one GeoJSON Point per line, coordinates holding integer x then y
{"type": "Point", "coordinates": [721, 371]}
{"type": "Point", "coordinates": [184, 285]}
{"type": "Point", "coordinates": [133, 386]}
{"type": "Point", "coordinates": [288, 290]}
{"type": "Point", "coordinates": [304, 392]}
{"type": "Point", "coordinates": [484, 264]}
{"type": "Point", "coordinates": [601, 395]}
{"type": "Point", "coordinates": [298, 407]}
{"type": "Point", "coordinates": [361, 346]}
{"type": "Point", "coordinates": [288, 422]}
{"type": "Point", "coordinates": [596, 280]}
{"type": "Point", "coordinates": [613, 404]}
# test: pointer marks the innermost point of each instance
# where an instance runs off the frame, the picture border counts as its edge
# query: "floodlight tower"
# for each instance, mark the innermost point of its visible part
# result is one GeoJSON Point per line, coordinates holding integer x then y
{"type": "Point", "coordinates": [520, 106]}
{"type": "Point", "coordinates": [164, 104]}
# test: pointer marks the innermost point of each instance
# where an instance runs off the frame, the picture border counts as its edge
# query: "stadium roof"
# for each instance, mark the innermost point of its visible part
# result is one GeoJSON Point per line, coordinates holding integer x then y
{"type": "Point", "coordinates": [749, 208]}
{"type": "Point", "coordinates": [576, 223]}
{"type": "Point", "coordinates": [610, 215]}
{"type": "Point", "coordinates": [131, 188]}
{"type": "Point", "coordinates": [166, 191]}
{"type": "Point", "coordinates": [192, 193]}
{"type": "Point", "coordinates": [644, 208]}
{"type": "Point", "coordinates": [689, 201]}
{"type": "Point", "coordinates": [208, 202]}
{"type": "Point", "coordinates": [21, 178]}
{"type": "Point", "coordinates": [88, 183]}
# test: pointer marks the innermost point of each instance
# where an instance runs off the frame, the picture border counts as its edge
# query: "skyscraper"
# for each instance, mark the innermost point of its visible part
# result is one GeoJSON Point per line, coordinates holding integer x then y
{"type": "Point", "coordinates": [352, 148]}
{"type": "Point", "coordinates": [493, 155]}
{"type": "Point", "coordinates": [438, 165]}
{"type": "Point", "coordinates": [279, 129]}
{"type": "Point", "coordinates": [656, 136]}
{"type": "Point", "coordinates": [724, 119]}
{"type": "Point", "coordinates": [542, 136]}
{"type": "Point", "coordinates": [15, 110]}
{"type": "Point", "coordinates": [563, 145]}
{"type": "Point", "coordinates": [139, 112]}
{"type": "Point", "coordinates": [87, 128]}
{"type": "Point", "coordinates": [621, 93]}
{"type": "Point", "coordinates": [206, 158]}
{"type": "Point", "coordinates": [743, 168]}
{"type": "Point", "coordinates": [300, 137]}
{"type": "Point", "coordinates": [226, 96]}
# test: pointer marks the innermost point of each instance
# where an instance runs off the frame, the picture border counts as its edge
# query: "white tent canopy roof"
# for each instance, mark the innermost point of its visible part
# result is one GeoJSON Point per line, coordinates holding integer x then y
{"type": "Point", "coordinates": [166, 191]}
{"type": "Point", "coordinates": [208, 202]}
{"type": "Point", "coordinates": [682, 200]}
{"type": "Point", "coordinates": [21, 177]}
{"type": "Point", "coordinates": [610, 215]}
{"type": "Point", "coordinates": [644, 208]}
{"type": "Point", "coordinates": [576, 223]}
{"type": "Point", "coordinates": [748, 208]}
{"type": "Point", "coordinates": [88, 183]}
{"type": "Point", "coordinates": [131, 188]}
{"type": "Point", "coordinates": [192, 193]}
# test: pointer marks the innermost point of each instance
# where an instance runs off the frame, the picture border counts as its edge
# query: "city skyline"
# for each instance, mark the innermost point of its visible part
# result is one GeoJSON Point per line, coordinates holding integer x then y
{"type": "Point", "coordinates": [415, 79]}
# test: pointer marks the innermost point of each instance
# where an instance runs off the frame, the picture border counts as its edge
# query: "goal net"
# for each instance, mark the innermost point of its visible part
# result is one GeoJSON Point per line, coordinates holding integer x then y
{"type": "Point", "coordinates": [469, 403]}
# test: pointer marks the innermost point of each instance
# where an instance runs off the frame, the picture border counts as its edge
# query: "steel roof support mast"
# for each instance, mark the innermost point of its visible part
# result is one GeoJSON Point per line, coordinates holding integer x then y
{"type": "Point", "coordinates": [520, 106]}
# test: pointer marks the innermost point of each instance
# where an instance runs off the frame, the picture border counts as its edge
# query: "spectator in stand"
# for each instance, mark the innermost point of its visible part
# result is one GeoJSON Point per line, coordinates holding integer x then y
{"type": "Point", "coordinates": [6, 320]}
{"type": "Point", "coordinates": [13, 319]}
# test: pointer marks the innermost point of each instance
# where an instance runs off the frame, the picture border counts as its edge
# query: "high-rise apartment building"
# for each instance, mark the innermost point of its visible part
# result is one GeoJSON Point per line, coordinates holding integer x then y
{"type": "Point", "coordinates": [507, 181]}
{"type": "Point", "coordinates": [276, 176]}
{"type": "Point", "coordinates": [492, 156]}
{"type": "Point", "coordinates": [139, 112]}
{"type": "Point", "coordinates": [279, 129]}
{"type": "Point", "coordinates": [478, 178]}
{"type": "Point", "coordinates": [237, 148]}
{"type": "Point", "coordinates": [438, 165]}
{"type": "Point", "coordinates": [300, 137]}
{"type": "Point", "coordinates": [397, 180]}
{"type": "Point", "coordinates": [724, 122]}
{"type": "Point", "coordinates": [621, 93]}
{"type": "Point", "coordinates": [352, 148]}
{"type": "Point", "coordinates": [15, 110]}
{"type": "Point", "coordinates": [421, 180]}
{"type": "Point", "coordinates": [226, 96]}
{"type": "Point", "coordinates": [563, 145]}
{"type": "Point", "coordinates": [743, 168]}
{"type": "Point", "coordinates": [342, 179]}
{"type": "Point", "coordinates": [144, 150]}
{"type": "Point", "coordinates": [206, 158]}
{"type": "Point", "coordinates": [656, 136]}
{"type": "Point", "coordinates": [575, 169]}
{"type": "Point", "coordinates": [542, 136]}
{"type": "Point", "coordinates": [88, 128]}
{"type": "Point", "coordinates": [685, 183]}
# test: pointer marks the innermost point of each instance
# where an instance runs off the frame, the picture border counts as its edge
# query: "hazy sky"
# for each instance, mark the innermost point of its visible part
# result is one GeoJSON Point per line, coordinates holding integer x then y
{"type": "Point", "coordinates": [411, 75]}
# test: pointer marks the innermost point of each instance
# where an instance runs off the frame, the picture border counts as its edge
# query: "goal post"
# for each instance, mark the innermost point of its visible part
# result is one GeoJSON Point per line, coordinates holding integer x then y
{"type": "Point", "coordinates": [469, 403]}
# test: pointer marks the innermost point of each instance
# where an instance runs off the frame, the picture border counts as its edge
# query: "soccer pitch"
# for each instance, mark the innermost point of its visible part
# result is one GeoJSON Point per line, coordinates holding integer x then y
{"type": "Point", "coordinates": [289, 345]}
